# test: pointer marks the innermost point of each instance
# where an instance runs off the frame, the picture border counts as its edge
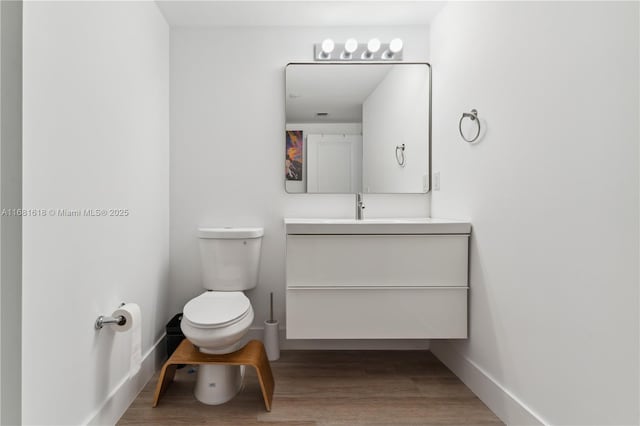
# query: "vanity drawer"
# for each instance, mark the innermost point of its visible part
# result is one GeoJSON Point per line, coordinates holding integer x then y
{"type": "Point", "coordinates": [376, 313]}
{"type": "Point", "coordinates": [377, 260]}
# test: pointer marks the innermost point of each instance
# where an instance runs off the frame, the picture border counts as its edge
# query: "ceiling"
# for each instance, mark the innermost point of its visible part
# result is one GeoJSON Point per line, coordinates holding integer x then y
{"type": "Point", "coordinates": [242, 13]}
{"type": "Point", "coordinates": [338, 90]}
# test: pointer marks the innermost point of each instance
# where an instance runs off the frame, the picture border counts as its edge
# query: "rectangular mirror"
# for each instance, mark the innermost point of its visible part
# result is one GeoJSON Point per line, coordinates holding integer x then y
{"type": "Point", "coordinates": [358, 127]}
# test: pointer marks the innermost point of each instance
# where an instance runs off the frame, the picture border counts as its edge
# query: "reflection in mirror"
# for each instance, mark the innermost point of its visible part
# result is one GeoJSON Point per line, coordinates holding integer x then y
{"type": "Point", "coordinates": [357, 128]}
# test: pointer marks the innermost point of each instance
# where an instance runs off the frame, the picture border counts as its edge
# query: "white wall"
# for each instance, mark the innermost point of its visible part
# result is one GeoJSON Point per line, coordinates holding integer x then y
{"type": "Point", "coordinates": [227, 144]}
{"type": "Point", "coordinates": [96, 136]}
{"type": "Point", "coordinates": [295, 187]}
{"type": "Point", "coordinates": [10, 197]}
{"type": "Point", "coordinates": [397, 113]}
{"type": "Point", "coordinates": [552, 192]}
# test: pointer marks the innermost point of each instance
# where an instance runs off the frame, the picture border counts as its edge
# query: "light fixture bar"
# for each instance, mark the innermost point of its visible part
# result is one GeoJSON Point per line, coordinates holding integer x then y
{"type": "Point", "coordinates": [345, 52]}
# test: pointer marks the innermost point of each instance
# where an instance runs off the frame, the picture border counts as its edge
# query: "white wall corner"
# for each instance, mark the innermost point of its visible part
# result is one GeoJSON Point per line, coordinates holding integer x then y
{"type": "Point", "coordinates": [509, 408]}
{"type": "Point", "coordinates": [125, 392]}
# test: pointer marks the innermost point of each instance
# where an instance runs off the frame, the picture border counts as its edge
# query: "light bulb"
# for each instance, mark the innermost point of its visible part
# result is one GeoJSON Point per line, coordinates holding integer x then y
{"type": "Point", "coordinates": [350, 45]}
{"type": "Point", "coordinates": [327, 47]}
{"type": "Point", "coordinates": [395, 45]}
{"type": "Point", "coordinates": [373, 46]}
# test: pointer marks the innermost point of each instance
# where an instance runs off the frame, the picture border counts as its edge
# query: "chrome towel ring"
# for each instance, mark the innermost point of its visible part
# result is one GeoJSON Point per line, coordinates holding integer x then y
{"type": "Point", "coordinates": [400, 158]}
{"type": "Point", "coordinates": [473, 115]}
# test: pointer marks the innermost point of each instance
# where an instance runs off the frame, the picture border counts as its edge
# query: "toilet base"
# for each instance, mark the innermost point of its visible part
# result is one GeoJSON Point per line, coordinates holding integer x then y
{"type": "Point", "coordinates": [217, 384]}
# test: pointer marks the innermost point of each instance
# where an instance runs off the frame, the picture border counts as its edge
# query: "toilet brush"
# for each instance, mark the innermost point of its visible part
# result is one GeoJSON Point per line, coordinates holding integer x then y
{"type": "Point", "coordinates": [271, 338]}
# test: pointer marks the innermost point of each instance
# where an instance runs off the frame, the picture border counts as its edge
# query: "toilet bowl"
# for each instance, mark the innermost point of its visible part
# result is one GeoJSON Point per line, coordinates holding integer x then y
{"type": "Point", "coordinates": [217, 320]}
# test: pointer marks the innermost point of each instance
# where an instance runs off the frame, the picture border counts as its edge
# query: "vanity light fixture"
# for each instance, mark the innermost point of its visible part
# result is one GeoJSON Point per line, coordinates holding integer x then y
{"type": "Point", "coordinates": [351, 50]}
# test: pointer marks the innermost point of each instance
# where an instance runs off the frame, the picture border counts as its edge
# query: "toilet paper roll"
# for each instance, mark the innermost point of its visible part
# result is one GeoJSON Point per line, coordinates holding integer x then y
{"type": "Point", "coordinates": [133, 316]}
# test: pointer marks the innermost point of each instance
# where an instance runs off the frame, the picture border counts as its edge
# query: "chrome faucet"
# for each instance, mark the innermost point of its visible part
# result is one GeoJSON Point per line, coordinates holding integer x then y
{"type": "Point", "coordinates": [359, 206]}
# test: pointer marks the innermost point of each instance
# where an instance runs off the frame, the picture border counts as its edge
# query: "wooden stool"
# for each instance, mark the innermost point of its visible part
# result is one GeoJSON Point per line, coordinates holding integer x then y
{"type": "Point", "coordinates": [252, 354]}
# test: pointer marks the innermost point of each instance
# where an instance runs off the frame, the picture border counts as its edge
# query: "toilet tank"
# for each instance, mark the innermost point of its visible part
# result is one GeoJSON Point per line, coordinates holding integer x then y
{"type": "Point", "coordinates": [230, 257]}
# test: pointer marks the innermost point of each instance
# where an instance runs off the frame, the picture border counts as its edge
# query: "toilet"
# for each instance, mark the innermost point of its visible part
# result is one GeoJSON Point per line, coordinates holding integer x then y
{"type": "Point", "coordinates": [217, 320]}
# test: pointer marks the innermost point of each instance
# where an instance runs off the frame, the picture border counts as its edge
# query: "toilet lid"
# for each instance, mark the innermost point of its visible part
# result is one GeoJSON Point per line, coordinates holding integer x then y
{"type": "Point", "coordinates": [216, 308]}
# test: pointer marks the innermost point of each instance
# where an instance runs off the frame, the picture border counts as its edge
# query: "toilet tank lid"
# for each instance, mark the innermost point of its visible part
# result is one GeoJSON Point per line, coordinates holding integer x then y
{"type": "Point", "coordinates": [230, 233]}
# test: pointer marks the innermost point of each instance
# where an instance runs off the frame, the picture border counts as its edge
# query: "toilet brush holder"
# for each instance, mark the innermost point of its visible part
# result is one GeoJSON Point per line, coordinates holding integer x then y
{"type": "Point", "coordinates": [272, 340]}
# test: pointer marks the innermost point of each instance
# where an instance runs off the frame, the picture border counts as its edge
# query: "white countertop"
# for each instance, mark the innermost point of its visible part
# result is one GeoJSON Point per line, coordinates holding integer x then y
{"type": "Point", "coordinates": [377, 226]}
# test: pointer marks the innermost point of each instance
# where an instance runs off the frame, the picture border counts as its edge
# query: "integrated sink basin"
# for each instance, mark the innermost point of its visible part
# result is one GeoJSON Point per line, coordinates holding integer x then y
{"type": "Point", "coordinates": [376, 226]}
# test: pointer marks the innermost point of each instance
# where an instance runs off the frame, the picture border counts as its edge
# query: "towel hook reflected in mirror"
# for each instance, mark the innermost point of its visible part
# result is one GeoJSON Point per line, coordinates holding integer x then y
{"type": "Point", "coordinates": [473, 115]}
{"type": "Point", "coordinates": [400, 158]}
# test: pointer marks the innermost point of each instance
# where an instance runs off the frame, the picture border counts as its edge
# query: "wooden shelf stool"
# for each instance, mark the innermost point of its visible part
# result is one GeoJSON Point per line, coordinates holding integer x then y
{"type": "Point", "coordinates": [253, 354]}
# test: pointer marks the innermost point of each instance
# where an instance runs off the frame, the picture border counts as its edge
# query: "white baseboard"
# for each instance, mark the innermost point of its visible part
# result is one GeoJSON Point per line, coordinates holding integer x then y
{"type": "Point", "coordinates": [341, 344]}
{"type": "Point", "coordinates": [503, 403]}
{"type": "Point", "coordinates": [128, 389]}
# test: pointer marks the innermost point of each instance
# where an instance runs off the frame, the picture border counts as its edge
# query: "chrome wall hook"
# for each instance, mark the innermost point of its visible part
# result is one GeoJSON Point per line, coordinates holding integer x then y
{"type": "Point", "coordinates": [473, 115]}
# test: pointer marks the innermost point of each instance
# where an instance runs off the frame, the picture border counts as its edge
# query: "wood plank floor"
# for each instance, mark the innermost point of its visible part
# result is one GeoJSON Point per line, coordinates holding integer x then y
{"type": "Point", "coordinates": [328, 388]}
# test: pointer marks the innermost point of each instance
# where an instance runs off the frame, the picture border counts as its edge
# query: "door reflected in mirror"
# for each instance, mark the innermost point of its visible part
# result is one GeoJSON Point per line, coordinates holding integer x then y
{"type": "Point", "coordinates": [357, 128]}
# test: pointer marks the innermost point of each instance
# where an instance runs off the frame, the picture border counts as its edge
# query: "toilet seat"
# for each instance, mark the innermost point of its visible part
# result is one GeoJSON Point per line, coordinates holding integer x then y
{"type": "Point", "coordinates": [217, 309]}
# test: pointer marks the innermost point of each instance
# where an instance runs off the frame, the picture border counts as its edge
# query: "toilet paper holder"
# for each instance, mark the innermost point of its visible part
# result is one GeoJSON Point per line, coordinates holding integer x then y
{"type": "Point", "coordinates": [106, 320]}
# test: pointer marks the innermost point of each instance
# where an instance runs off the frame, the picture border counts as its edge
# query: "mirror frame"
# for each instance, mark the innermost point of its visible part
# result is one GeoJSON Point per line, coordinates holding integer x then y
{"type": "Point", "coordinates": [329, 63]}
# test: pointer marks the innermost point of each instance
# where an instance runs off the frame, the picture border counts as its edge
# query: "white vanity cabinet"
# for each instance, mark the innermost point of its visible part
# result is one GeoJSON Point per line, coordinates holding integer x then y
{"type": "Point", "coordinates": [377, 279]}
